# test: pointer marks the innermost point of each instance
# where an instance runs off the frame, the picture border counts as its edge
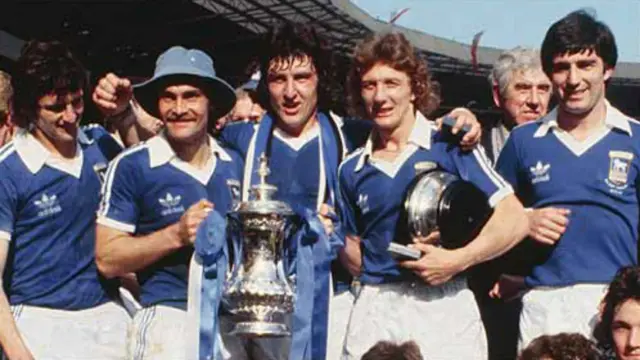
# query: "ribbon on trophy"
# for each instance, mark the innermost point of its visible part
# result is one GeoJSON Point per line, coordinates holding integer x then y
{"type": "Point", "coordinates": [313, 246]}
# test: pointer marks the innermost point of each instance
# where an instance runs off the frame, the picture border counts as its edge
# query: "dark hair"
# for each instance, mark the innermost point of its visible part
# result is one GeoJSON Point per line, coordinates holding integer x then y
{"type": "Point", "coordinates": [44, 67]}
{"type": "Point", "coordinates": [624, 286]}
{"type": "Point", "coordinates": [563, 346]}
{"type": "Point", "coordinates": [386, 350]}
{"type": "Point", "coordinates": [290, 40]}
{"type": "Point", "coordinates": [391, 49]}
{"type": "Point", "coordinates": [575, 33]}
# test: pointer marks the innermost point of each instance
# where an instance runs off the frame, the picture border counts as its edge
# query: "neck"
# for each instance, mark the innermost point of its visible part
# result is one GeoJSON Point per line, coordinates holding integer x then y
{"type": "Point", "coordinates": [63, 149]}
{"type": "Point", "coordinates": [196, 152]}
{"type": "Point", "coordinates": [396, 139]}
{"type": "Point", "coordinates": [581, 124]}
{"type": "Point", "coordinates": [300, 130]}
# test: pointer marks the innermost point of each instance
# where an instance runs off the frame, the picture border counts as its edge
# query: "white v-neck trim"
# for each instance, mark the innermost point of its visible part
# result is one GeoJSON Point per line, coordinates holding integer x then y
{"type": "Point", "coordinates": [297, 142]}
{"type": "Point", "coordinates": [580, 147]}
{"type": "Point", "coordinates": [391, 168]}
{"type": "Point", "coordinates": [202, 175]}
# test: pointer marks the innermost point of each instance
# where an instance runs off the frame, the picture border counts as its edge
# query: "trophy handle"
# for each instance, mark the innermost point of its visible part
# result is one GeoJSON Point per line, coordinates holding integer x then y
{"type": "Point", "coordinates": [236, 247]}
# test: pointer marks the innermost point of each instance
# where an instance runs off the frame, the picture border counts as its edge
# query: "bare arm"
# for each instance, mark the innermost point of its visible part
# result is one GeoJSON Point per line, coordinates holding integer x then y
{"type": "Point", "coordinates": [351, 255]}
{"type": "Point", "coordinates": [119, 253]}
{"type": "Point", "coordinates": [507, 226]}
{"type": "Point", "coordinates": [10, 339]}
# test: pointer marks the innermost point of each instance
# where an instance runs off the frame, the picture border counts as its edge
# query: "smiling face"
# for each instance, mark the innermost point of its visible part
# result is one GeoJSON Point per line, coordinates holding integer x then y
{"type": "Point", "coordinates": [579, 80]}
{"type": "Point", "coordinates": [57, 118]}
{"type": "Point", "coordinates": [387, 96]}
{"type": "Point", "coordinates": [625, 330]}
{"type": "Point", "coordinates": [184, 109]}
{"type": "Point", "coordinates": [293, 91]}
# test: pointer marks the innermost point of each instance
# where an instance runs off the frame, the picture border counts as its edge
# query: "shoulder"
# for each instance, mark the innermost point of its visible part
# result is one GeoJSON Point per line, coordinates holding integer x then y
{"type": "Point", "coordinates": [8, 163]}
{"type": "Point", "coordinates": [136, 156]}
{"type": "Point", "coordinates": [356, 131]}
{"type": "Point", "coordinates": [239, 128]}
{"type": "Point", "coordinates": [348, 165]}
{"type": "Point", "coordinates": [96, 134]}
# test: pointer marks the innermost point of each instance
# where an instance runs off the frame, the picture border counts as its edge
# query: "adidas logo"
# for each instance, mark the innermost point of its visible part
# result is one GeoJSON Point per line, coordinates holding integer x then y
{"type": "Point", "coordinates": [48, 205]}
{"type": "Point", "coordinates": [540, 172]}
{"type": "Point", "coordinates": [171, 204]}
{"type": "Point", "coordinates": [363, 203]}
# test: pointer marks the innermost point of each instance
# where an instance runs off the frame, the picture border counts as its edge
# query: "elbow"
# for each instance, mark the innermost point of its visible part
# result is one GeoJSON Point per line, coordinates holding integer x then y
{"type": "Point", "coordinates": [105, 267]}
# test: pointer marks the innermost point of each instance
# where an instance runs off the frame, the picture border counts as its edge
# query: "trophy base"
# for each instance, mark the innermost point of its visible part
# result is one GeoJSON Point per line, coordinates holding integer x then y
{"type": "Point", "coordinates": [252, 329]}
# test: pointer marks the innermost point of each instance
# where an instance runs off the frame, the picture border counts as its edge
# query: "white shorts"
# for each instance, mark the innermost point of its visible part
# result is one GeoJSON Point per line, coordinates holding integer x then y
{"type": "Point", "coordinates": [96, 333]}
{"type": "Point", "coordinates": [340, 308]}
{"type": "Point", "coordinates": [549, 311]}
{"type": "Point", "coordinates": [444, 320]}
{"type": "Point", "coordinates": [158, 332]}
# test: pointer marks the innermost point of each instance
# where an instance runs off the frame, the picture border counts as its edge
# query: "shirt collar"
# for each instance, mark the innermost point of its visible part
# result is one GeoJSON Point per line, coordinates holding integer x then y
{"type": "Point", "coordinates": [160, 152]}
{"type": "Point", "coordinates": [613, 119]}
{"type": "Point", "coordinates": [420, 136]}
{"type": "Point", "coordinates": [35, 155]}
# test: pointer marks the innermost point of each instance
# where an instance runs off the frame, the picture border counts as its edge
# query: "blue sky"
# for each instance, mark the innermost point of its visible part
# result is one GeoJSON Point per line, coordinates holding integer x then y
{"type": "Point", "coordinates": [509, 23]}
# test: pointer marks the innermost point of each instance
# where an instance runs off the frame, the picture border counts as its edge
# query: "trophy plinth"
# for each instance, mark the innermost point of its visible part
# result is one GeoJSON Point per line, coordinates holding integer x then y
{"type": "Point", "coordinates": [257, 292]}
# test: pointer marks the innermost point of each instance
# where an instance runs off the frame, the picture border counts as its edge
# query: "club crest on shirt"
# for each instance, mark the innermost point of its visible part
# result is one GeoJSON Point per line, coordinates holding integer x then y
{"type": "Point", "coordinates": [100, 170]}
{"type": "Point", "coordinates": [171, 204]}
{"type": "Point", "coordinates": [619, 166]}
{"type": "Point", "coordinates": [234, 190]}
{"type": "Point", "coordinates": [48, 205]}
{"type": "Point", "coordinates": [540, 172]}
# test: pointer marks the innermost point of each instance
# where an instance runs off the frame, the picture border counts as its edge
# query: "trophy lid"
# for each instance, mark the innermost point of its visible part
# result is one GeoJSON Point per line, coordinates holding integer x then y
{"type": "Point", "coordinates": [262, 193]}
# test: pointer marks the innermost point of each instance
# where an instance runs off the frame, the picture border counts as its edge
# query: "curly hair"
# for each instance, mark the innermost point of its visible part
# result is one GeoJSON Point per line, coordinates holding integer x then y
{"type": "Point", "coordinates": [44, 67]}
{"type": "Point", "coordinates": [392, 49]}
{"type": "Point", "coordinates": [289, 41]}
{"type": "Point", "coordinates": [386, 350]}
{"type": "Point", "coordinates": [562, 346]}
{"type": "Point", "coordinates": [6, 95]}
{"type": "Point", "coordinates": [624, 286]}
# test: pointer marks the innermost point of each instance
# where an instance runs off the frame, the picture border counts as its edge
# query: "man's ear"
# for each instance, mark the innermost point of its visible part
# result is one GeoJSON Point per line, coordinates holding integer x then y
{"type": "Point", "coordinates": [608, 72]}
{"type": "Point", "coordinates": [495, 92]}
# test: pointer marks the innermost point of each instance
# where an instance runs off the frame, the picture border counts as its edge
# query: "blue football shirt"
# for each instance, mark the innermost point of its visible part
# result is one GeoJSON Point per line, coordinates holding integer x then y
{"type": "Point", "coordinates": [148, 188]}
{"type": "Point", "coordinates": [373, 192]}
{"type": "Point", "coordinates": [47, 212]}
{"type": "Point", "coordinates": [596, 179]}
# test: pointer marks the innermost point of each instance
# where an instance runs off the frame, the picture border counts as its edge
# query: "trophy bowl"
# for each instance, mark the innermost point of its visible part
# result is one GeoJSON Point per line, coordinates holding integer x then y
{"type": "Point", "coordinates": [257, 291]}
{"type": "Point", "coordinates": [437, 200]}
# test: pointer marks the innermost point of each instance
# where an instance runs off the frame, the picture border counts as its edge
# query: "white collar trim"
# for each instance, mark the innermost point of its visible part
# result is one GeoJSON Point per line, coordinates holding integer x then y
{"type": "Point", "coordinates": [160, 152]}
{"type": "Point", "coordinates": [35, 155]}
{"type": "Point", "coordinates": [420, 136]}
{"type": "Point", "coordinates": [613, 119]}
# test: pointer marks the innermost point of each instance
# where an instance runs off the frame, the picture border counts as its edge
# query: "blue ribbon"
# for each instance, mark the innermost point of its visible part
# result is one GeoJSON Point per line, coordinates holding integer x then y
{"type": "Point", "coordinates": [210, 246]}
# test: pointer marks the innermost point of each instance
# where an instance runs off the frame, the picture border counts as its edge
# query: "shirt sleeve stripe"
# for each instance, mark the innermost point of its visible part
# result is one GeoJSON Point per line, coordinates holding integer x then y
{"type": "Point", "coordinates": [114, 224]}
{"type": "Point", "coordinates": [499, 195]}
{"type": "Point", "coordinates": [106, 187]}
{"type": "Point", "coordinates": [488, 169]}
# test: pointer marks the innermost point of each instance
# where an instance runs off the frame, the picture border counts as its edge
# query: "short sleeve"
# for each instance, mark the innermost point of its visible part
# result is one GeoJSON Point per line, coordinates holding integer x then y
{"type": "Point", "coordinates": [346, 204]}
{"type": "Point", "coordinates": [508, 164]}
{"type": "Point", "coordinates": [118, 207]}
{"type": "Point", "coordinates": [475, 167]}
{"type": "Point", "coordinates": [8, 205]}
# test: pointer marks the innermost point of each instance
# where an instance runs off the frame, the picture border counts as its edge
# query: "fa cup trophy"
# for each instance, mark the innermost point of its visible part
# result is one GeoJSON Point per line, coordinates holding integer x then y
{"type": "Point", "coordinates": [257, 291]}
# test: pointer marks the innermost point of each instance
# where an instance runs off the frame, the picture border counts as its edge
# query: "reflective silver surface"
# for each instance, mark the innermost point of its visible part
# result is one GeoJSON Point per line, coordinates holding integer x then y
{"type": "Point", "coordinates": [423, 200]}
{"type": "Point", "coordinates": [257, 292]}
